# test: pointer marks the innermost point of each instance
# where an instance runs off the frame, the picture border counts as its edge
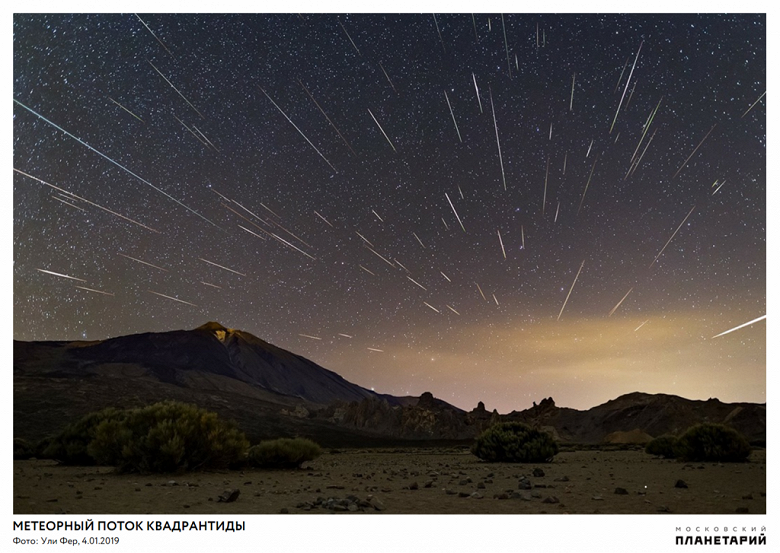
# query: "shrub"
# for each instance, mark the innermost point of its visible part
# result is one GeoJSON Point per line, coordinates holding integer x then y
{"type": "Point", "coordinates": [665, 446]}
{"type": "Point", "coordinates": [168, 437]}
{"type": "Point", "coordinates": [514, 442]}
{"type": "Point", "coordinates": [70, 446]}
{"type": "Point", "coordinates": [22, 449]}
{"type": "Point", "coordinates": [164, 437]}
{"type": "Point", "coordinates": [712, 442]}
{"type": "Point", "coordinates": [283, 453]}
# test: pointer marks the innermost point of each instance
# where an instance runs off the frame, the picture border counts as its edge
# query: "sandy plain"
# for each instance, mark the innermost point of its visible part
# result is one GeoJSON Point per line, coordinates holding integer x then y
{"type": "Point", "coordinates": [407, 481]}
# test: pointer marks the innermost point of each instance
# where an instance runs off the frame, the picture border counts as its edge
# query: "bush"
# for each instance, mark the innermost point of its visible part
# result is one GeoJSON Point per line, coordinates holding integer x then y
{"type": "Point", "coordinates": [283, 453]}
{"type": "Point", "coordinates": [168, 437]}
{"type": "Point", "coordinates": [712, 442]}
{"type": "Point", "coordinates": [164, 437]}
{"type": "Point", "coordinates": [22, 449]}
{"type": "Point", "coordinates": [664, 446]}
{"type": "Point", "coordinates": [514, 442]}
{"type": "Point", "coordinates": [70, 446]}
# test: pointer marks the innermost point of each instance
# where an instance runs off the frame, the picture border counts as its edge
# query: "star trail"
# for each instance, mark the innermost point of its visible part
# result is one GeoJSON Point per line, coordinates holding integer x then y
{"type": "Point", "coordinates": [531, 172]}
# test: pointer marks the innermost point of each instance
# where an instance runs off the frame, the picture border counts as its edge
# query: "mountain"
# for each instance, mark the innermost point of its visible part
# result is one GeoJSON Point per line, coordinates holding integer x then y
{"type": "Point", "coordinates": [263, 387]}
{"type": "Point", "coordinates": [271, 392]}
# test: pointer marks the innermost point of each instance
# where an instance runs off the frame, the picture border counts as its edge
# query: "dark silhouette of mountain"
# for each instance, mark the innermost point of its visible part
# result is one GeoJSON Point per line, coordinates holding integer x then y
{"type": "Point", "coordinates": [271, 392]}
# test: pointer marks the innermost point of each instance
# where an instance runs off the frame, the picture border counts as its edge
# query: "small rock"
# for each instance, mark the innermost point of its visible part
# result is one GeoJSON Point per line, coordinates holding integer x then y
{"type": "Point", "coordinates": [742, 510]}
{"type": "Point", "coordinates": [186, 506]}
{"type": "Point", "coordinates": [748, 496]}
{"type": "Point", "coordinates": [172, 483]}
{"type": "Point", "coordinates": [480, 485]}
{"type": "Point", "coordinates": [376, 504]}
{"type": "Point", "coordinates": [536, 494]}
{"type": "Point", "coordinates": [463, 494]}
{"type": "Point", "coordinates": [284, 511]}
{"type": "Point", "coordinates": [229, 496]}
{"type": "Point", "coordinates": [501, 496]}
{"type": "Point", "coordinates": [414, 486]}
{"type": "Point", "coordinates": [550, 499]}
{"type": "Point", "coordinates": [148, 484]}
{"type": "Point", "coordinates": [138, 489]}
{"type": "Point", "coordinates": [525, 496]}
{"type": "Point", "coordinates": [538, 473]}
{"type": "Point", "coordinates": [663, 509]}
{"type": "Point", "coordinates": [55, 500]}
{"type": "Point", "coordinates": [680, 484]}
{"type": "Point", "coordinates": [621, 491]}
{"type": "Point", "coordinates": [352, 508]}
{"type": "Point", "coordinates": [463, 482]}
{"type": "Point", "coordinates": [597, 498]}
{"type": "Point", "coordinates": [488, 480]}
{"type": "Point", "coordinates": [562, 479]}
{"type": "Point", "coordinates": [428, 484]}
{"type": "Point", "coordinates": [476, 495]}
{"type": "Point", "coordinates": [450, 492]}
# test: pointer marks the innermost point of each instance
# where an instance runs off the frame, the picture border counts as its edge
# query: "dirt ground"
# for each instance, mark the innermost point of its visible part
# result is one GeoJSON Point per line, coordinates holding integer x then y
{"type": "Point", "coordinates": [414, 481]}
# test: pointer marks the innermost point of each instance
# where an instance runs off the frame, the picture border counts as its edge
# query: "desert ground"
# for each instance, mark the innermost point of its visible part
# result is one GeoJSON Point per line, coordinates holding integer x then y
{"type": "Point", "coordinates": [411, 481]}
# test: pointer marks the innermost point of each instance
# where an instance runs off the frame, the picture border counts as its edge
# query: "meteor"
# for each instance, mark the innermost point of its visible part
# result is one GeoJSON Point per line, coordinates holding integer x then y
{"type": "Point", "coordinates": [453, 310]}
{"type": "Point", "coordinates": [345, 335]}
{"type": "Point", "coordinates": [506, 46]}
{"type": "Point", "coordinates": [432, 307]}
{"type": "Point", "coordinates": [477, 89]}
{"type": "Point", "coordinates": [418, 239]}
{"type": "Point", "coordinates": [481, 293]}
{"type": "Point", "coordinates": [364, 239]}
{"type": "Point", "coordinates": [762, 317]}
{"type": "Point", "coordinates": [60, 275]}
{"type": "Point", "coordinates": [571, 102]}
{"type": "Point", "coordinates": [68, 203]}
{"type": "Point", "coordinates": [299, 130]}
{"type": "Point", "coordinates": [144, 262]}
{"type": "Point", "coordinates": [417, 283]}
{"type": "Point", "coordinates": [455, 212]}
{"type": "Point", "coordinates": [350, 38]}
{"type": "Point", "coordinates": [588, 183]}
{"type": "Point", "coordinates": [312, 337]}
{"type": "Point", "coordinates": [625, 89]}
{"type": "Point", "coordinates": [374, 349]}
{"type": "Point", "coordinates": [498, 143]}
{"type": "Point", "coordinates": [171, 298]}
{"type": "Point", "coordinates": [672, 236]}
{"type": "Point", "coordinates": [546, 173]}
{"type": "Point", "coordinates": [221, 267]}
{"type": "Point", "coordinates": [93, 290]}
{"type": "Point", "coordinates": [621, 301]}
{"type": "Point", "coordinates": [445, 276]}
{"type": "Point", "coordinates": [388, 78]}
{"type": "Point", "coordinates": [366, 270]}
{"type": "Point", "coordinates": [177, 90]}
{"type": "Point", "coordinates": [42, 118]}
{"type": "Point", "coordinates": [332, 124]}
{"type": "Point", "coordinates": [127, 110]}
{"type": "Point", "coordinates": [154, 35]}
{"type": "Point", "coordinates": [640, 326]}
{"type": "Point", "coordinates": [377, 216]}
{"type": "Point", "coordinates": [380, 256]}
{"type": "Point", "coordinates": [754, 104]}
{"type": "Point", "coordinates": [324, 219]}
{"type": "Point", "coordinates": [570, 289]}
{"type": "Point", "coordinates": [209, 284]}
{"type": "Point", "coordinates": [502, 243]}
{"type": "Point", "coordinates": [438, 31]}
{"type": "Point", "coordinates": [694, 151]}
{"type": "Point", "coordinates": [383, 131]}
{"type": "Point", "coordinates": [453, 116]}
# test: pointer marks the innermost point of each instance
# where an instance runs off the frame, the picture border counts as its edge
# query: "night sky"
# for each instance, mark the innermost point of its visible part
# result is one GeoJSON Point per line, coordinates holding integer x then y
{"type": "Point", "coordinates": [487, 207]}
